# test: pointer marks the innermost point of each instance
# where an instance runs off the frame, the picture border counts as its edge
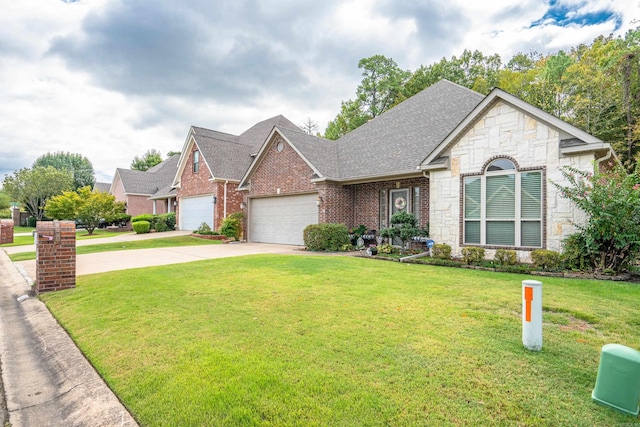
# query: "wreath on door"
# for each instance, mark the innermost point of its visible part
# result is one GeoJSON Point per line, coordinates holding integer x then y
{"type": "Point", "coordinates": [400, 203]}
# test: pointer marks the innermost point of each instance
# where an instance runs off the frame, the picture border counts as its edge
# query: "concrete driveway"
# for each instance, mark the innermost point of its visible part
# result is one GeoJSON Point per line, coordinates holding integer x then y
{"type": "Point", "coordinates": [47, 380]}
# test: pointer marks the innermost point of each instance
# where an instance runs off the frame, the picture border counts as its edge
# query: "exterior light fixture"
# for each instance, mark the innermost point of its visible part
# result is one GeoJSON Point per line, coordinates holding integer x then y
{"type": "Point", "coordinates": [318, 201]}
{"type": "Point", "coordinates": [243, 205]}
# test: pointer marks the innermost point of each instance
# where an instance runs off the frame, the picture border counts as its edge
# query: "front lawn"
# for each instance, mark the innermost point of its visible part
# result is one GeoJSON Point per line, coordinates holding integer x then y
{"type": "Point", "coordinates": [166, 242]}
{"type": "Point", "coordinates": [81, 235]}
{"type": "Point", "coordinates": [316, 341]}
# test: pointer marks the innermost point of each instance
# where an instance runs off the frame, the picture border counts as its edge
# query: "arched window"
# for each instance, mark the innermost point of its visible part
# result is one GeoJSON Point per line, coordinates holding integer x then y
{"type": "Point", "coordinates": [503, 206]}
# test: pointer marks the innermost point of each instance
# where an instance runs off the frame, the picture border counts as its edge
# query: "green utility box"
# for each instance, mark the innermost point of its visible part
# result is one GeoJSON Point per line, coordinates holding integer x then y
{"type": "Point", "coordinates": [618, 381]}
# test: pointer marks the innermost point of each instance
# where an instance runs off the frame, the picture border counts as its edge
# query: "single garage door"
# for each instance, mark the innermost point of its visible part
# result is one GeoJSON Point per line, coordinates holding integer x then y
{"type": "Point", "coordinates": [282, 219]}
{"type": "Point", "coordinates": [194, 211]}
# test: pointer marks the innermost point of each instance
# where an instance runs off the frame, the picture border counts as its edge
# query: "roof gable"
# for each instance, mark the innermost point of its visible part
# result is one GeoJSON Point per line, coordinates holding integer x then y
{"type": "Point", "coordinates": [576, 140]}
{"type": "Point", "coordinates": [150, 181]}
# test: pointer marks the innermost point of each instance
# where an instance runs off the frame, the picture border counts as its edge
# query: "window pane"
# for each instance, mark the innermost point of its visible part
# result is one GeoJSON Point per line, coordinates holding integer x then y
{"type": "Point", "coordinates": [472, 197]}
{"type": "Point", "coordinates": [501, 233]}
{"type": "Point", "coordinates": [383, 209]}
{"type": "Point", "coordinates": [501, 200]}
{"type": "Point", "coordinates": [501, 165]}
{"type": "Point", "coordinates": [472, 232]}
{"type": "Point", "coordinates": [531, 200]}
{"type": "Point", "coordinates": [531, 234]}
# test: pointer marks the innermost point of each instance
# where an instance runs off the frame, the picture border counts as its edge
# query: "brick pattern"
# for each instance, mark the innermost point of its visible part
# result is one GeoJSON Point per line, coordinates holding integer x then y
{"type": "Point", "coordinates": [6, 231]}
{"type": "Point", "coordinates": [284, 172]}
{"type": "Point", "coordinates": [56, 256]}
{"type": "Point", "coordinates": [200, 184]}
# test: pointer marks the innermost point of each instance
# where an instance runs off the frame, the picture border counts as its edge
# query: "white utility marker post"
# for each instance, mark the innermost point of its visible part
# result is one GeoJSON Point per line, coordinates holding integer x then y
{"type": "Point", "coordinates": [532, 314]}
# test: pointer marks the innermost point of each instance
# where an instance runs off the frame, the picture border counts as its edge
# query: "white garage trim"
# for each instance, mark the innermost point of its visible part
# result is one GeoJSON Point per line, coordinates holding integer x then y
{"type": "Point", "coordinates": [194, 211]}
{"type": "Point", "coordinates": [282, 219]}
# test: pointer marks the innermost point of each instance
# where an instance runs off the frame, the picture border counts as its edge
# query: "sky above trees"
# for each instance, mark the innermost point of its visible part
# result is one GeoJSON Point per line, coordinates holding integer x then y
{"type": "Point", "coordinates": [111, 78]}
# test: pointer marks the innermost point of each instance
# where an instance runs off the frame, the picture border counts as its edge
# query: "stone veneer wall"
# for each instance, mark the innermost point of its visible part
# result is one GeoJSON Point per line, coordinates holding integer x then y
{"type": "Point", "coordinates": [505, 132]}
{"type": "Point", "coordinates": [56, 255]}
{"type": "Point", "coordinates": [6, 231]}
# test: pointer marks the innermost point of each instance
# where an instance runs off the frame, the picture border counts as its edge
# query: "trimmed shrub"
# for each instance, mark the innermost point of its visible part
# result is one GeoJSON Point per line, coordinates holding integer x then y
{"type": "Point", "coordinates": [441, 251]}
{"type": "Point", "coordinates": [472, 255]}
{"type": "Point", "coordinates": [505, 257]}
{"type": "Point", "coordinates": [160, 226]}
{"type": "Point", "coordinates": [144, 217]}
{"type": "Point", "coordinates": [170, 220]}
{"type": "Point", "coordinates": [326, 237]}
{"type": "Point", "coordinates": [546, 260]}
{"type": "Point", "coordinates": [386, 248]}
{"type": "Point", "coordinates": [141, 227]}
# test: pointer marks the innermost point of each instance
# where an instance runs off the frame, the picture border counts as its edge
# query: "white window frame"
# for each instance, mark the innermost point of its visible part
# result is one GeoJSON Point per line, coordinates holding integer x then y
{"type": "Point", "coordinates": [517, 219]}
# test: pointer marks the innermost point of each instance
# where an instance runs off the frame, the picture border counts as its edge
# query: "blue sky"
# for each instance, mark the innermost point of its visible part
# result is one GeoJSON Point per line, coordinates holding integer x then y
{"type": "Point", "coordinates": [111, 79]}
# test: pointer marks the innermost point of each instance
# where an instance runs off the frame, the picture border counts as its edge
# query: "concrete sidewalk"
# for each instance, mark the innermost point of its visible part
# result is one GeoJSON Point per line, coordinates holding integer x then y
{"type": "Point", "coordinates": [124, 237]}
{"type": "Point", "coordinates": [47, 380]}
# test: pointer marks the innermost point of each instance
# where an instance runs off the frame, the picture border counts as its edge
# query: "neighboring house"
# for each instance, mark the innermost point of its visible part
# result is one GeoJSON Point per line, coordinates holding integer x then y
{"type": "Point", "coordinates": [210, 168]}
{"type": "Point", "coordinates": [475, 169]}
{"type": "Point", "coordinates": [146, 192]}
{"type": "Point", "coordinates": [102, 187]}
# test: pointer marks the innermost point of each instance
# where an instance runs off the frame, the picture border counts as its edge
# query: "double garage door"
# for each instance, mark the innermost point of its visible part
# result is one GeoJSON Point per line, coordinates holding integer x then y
{"type": "Point", "coordinates": [282, 219]}
{"type": "Point", "coordinates": [194, 211]}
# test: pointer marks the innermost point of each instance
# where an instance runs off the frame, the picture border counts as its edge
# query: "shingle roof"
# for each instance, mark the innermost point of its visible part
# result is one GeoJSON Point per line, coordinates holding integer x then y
{"type": "Point", "coordinates": [151, 181]}
{"type": "Point", "coordinates": [103, 187]}
{"type": "Point", "coordinates": [398, 140]}
{"type": "Point", "coordinates": [229, 156]}
{"type": "Point", "coordinates": [393, 143]}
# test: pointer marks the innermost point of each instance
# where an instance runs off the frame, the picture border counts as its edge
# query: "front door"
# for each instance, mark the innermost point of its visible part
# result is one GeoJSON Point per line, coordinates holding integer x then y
{"type": "Point", "coordinates": [399, 202]}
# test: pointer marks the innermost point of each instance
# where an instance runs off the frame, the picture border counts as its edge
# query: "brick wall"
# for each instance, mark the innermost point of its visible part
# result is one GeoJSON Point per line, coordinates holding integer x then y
{"type": "Point", "coordinates": [281, 172]}
{"type": "Point", "coordinates": [6, 231]}
{"type": "Point", "coordinates": [56, 255]}
{"type": "Point", "coordinates": [138, 205]}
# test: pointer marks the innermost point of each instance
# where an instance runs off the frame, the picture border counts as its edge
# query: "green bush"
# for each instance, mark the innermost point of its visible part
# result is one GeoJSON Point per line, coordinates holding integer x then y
{"type": "Point", "coordinates": [160, 226]}
{"type": "Point", "coordinates": [170, 220]}
{"type": "Point", "coordinates": [441, 251]}
{"type": "Point", "coordinates": [472, 255]}
{"type": "Point", "coordinates": [144, 217]}
{"type": "Point", "coordinates": [386, 248]}
{"type": "Point", "coordinates": [141, 227]}
{"type": "Point", "coordinates": [575, 253]}
{"type": "Point", "coordinates": [546, 260]}
{"type": "Point", "coordinates": [505, 257]}
{"type": "Point", "coordinates": [232, 226]}
{"type": "Point", "coordinates": [326, 237]}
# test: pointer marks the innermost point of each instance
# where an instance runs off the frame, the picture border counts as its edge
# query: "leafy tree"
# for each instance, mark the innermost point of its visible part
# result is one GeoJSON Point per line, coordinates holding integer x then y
{"type": "Point", "coordinates": [77, 165]}
{"type": "Point", "coordinates": [151, 158]}
{"type": "Point", "coordinates": [172, 153]}
{"type": "Point", "coordinates": [33, 187]}
{"type": "Point", "coordinates": [85, 206]}
{"type": "Point", "coordinates": [381, 84]}
{"type": "Point", "coordinates": [5, 200]}
{"type": "Point", "coordinates": [611, 200]}
{"type": "Point", "coordinates": [351, 117]}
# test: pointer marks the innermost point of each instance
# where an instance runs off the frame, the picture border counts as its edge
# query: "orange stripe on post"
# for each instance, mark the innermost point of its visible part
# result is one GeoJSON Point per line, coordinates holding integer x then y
{"type": "Point", "coordinates": [528, 297]}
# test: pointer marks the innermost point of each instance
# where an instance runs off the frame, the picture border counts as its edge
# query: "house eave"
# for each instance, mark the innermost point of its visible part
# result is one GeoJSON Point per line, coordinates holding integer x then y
{"type": "Point", "coordinates": [369, 178]}
{"type": "Point", "coordinates": [598, 147]}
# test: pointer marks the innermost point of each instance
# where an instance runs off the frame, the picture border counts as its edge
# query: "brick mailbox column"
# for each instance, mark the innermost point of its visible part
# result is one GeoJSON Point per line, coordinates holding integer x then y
{"type": "Point", "coordinates": [6, 231]}
{"type": "Point", "coordinates": [56, 255]}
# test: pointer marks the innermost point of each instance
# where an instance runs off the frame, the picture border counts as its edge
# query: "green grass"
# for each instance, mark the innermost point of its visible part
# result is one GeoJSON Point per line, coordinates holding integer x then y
{"type": "Point", "coordinates": [23, 229]}
{"type": "Point", "coordinates": [80, 235]}
{"type": "Point", "coordinates": [341, 341]}
{"type": "Point", "coordinates": [166, 242]}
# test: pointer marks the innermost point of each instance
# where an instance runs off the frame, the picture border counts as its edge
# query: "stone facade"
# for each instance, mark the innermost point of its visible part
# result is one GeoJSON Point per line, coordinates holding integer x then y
{"type": "Point", "coordinates": [56, 255]}
{"type": "Point", "coordinates": [504, 131]}
{"type": "Point", "coordinates": [6, 231]}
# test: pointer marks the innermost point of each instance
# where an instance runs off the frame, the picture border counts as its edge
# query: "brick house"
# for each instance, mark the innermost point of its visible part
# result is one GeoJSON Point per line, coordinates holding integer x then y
{"type": "Point", "coordinates": [146, 192]}
{"type": "Point", "coordinates": [474, 168]}
{"type": "Point", "coordinates": [209, 170]}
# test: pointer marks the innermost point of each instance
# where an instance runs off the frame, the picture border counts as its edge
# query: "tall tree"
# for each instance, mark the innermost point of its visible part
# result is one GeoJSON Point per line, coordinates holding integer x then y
{"type": "Point", "coordinates": [350, 117]}
{"type": "Point", "coordinates": [5, 200]}
{"type": "Point", "coordinates": [33, 187]}
{"type": "Point", "coordinates": [85, 206]}
{"type": "Point", "coordinates": [382, 81]}
{"type": "Point", "coordinates": [151, 158]}
{"type": "Point", "coordinates": [77, 165]}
